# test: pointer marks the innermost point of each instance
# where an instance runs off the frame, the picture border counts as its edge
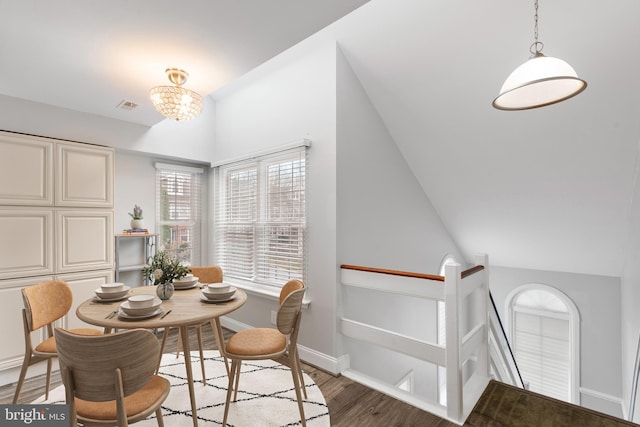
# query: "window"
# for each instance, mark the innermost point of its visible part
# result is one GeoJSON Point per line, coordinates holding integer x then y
{"type": "Point", "coordinates": [260, 221]}
{"type": "Point", "coordinates": [544, 332]}
{"type": "Point", "coordinates": [178, 210]}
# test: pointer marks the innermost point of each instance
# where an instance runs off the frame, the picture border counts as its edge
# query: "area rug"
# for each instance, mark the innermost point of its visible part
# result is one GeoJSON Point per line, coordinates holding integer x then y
{"type": "Point", "coordinates": [266, 396]}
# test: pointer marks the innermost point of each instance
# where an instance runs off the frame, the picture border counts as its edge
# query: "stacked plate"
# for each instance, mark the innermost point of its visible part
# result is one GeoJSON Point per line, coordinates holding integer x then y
{"type": "Point", "coordinates": [141, 307]}
{"type": "Point", "coordinates": [112, 292]}
{"type": "Point", "coordinates": [218, 292]}
{"type": "Point", "coordinates": [187, 282]}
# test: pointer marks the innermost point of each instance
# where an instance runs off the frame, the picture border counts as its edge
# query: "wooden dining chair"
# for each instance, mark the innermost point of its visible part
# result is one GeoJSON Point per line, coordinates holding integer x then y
{"type": "Point", "coordinates": [110, 379]}
{"type": "Point", "coordinates": [44, 303]}
{"type": "Point", "coordinates": [270, 343]}
{"type": "Point", "coordinates": [205, 274]}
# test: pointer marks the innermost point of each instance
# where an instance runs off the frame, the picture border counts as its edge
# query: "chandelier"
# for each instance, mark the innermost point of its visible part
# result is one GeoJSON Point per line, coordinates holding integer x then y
{"type": "Point", "coordinates": [540, 81]}
{"type": "Point", "coordinates": [176, 102]}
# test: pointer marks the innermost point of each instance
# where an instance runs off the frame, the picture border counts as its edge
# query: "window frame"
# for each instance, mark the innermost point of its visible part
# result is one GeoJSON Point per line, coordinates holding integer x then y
{"type": "Point", "coordinates": [259, 220]}
{"type": "Point", "coordinates": [573, 316]}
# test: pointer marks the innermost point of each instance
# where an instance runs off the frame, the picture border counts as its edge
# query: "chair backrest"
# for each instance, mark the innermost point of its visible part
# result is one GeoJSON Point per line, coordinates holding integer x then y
{"type": "Point", "coordinates": [46, 302]}
{"type": "Point", "coordinates": [90, 362]}
{"type": "Point", "coordinates": [291, 296]}
{"type": "Point", "coordinates": [207, 274]}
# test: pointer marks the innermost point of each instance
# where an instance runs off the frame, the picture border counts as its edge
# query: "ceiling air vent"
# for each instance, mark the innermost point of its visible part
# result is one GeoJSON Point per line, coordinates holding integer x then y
{"type": "Point", "coordinates": [127, 105]}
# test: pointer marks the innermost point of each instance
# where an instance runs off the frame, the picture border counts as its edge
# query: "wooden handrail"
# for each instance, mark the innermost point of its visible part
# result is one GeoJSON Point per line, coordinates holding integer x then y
{"type": "Point", "coordinates": [393, 272]}
{"type": "Point", "coordinates": [464, 274]}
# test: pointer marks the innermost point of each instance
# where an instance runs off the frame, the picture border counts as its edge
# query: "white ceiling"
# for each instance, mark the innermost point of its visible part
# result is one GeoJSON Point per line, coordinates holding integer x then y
{"type": "Point", "coordinates": [545, 189]}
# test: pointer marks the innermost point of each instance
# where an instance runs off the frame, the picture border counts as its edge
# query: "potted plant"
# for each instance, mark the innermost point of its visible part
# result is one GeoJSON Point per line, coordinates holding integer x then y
{"type": "Point", "coordinates": [136, 218]}
{"type": "Point", "coordinates": [164, 268]}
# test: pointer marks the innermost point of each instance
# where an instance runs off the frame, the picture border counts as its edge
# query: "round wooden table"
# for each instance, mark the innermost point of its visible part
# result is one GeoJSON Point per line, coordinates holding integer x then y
{"type": "Point", "coordinates": [184, 309]}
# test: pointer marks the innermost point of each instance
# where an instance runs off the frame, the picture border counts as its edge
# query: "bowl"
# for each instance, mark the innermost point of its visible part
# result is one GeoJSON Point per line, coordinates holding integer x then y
{"type": "Point", "coordinates": [140, 311]}
{"type": "Point", "coordinates": [111, 287]}
{"type": "Point", "coordinates": [142, 301]}
{"type": "Point", "coordinates": [219, 295]}
{"type": "Point", "coordinates": [187, 280]}
{"type": "Point", "coordinates": [217, 288]}
{"type": "Point", "coordinates": [112, 295]}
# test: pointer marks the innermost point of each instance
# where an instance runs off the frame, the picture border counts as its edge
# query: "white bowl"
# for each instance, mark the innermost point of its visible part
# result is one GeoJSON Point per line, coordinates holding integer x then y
{"type": "Point", "coordinates": [187, 280]}
{"type": "Point", "coordinates": [111, 287]}
{"type": "Point", "coordinates": [219, 295]}
{"type": "Point", "coordinates": [141, 301]}
{"type": "Point", "coordinates": [140, 311]}
{"type": "Point", "coordinates": [112, 295]}
{"type": "Point", "coordinates": [217, 288]}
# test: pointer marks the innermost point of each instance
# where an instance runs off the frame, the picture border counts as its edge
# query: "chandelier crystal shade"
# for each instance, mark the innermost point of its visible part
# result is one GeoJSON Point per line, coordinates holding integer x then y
{"type": "Point", "coordinates": [176, 102]}
{"type": "Point", "coordinates": [540, 81]}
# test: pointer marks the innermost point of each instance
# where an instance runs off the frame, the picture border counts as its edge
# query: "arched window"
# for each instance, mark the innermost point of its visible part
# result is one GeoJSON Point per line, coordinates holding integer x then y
{"type": "Point", "coordinates": [544, 328]}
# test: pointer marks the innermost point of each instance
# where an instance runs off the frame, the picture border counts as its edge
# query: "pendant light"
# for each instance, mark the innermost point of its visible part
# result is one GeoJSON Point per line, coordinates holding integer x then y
{"type": "Point", "coordinates": [540, 81]}
{"type": "Point", "coordinates": [176, 102]}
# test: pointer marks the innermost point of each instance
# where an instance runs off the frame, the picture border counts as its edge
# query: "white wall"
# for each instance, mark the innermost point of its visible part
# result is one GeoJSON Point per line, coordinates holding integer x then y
{"type": "Point", "coordinates": [289, 98]}
{"type": "Point", "coordinates": [631, 299]}
{"type": "Point", "coordinates": [598, 301]}
{"type": "Point", "coordinates": [384, 220]}
{"type": "Point", "coordinates": [192, 140]}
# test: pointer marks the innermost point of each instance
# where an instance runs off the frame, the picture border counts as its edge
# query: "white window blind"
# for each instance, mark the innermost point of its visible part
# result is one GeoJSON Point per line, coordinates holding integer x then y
{"type": "Point", "coordinates": [542, 350]}
{"type": "Point", "coordinates": [260, 221]}
{"type": "Point", "coordinates": [178, 204]}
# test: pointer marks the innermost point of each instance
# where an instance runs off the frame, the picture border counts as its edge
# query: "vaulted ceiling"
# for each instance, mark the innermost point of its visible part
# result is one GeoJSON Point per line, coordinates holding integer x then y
{"type": "Point", "coordinates": [545, 189]}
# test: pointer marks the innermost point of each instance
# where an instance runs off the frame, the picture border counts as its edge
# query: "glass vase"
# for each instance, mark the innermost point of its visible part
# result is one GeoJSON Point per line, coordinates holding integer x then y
{"type": "Point", "coordinates": [165, 290]}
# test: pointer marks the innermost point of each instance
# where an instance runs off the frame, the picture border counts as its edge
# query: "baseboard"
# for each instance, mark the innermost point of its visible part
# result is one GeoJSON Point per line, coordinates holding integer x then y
{"type": "Point", "coordinates": [308, 355]}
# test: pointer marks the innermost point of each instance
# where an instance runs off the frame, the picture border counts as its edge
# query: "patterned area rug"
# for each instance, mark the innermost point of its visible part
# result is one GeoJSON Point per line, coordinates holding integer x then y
{"type": "Point", "coordinates": [266, 396]}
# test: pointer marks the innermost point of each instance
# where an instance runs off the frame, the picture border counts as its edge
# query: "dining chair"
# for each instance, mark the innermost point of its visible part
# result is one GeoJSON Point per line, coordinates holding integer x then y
{"type": "Point", "coordinates": [110, 379]}
{"type": "Point", "coordinates": [44, 303]}
{"type": "Point", "coordinates": [205, 274]}
{"type": "Point", "coordinates": [270, 343]}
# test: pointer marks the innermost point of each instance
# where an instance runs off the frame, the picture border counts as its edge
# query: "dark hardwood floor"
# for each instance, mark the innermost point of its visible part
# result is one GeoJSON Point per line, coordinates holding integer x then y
{"type": "Point", "coordinates": [350, 403]}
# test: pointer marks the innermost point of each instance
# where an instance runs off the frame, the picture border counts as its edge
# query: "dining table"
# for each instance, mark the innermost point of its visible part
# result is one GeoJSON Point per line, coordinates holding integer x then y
{"type": "Point", "coordinates": [186, 308]}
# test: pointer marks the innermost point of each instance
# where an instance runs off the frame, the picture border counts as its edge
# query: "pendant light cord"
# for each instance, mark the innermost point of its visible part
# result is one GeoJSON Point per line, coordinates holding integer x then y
{"type": "Point", "coordinates": [536, 46]}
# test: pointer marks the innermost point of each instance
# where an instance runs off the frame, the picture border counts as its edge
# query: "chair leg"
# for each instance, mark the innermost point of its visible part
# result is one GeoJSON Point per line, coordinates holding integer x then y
{"type": "Point", "coordinates": [165, 334]}
{"type": "Point", "coordinates": [234, 366]}
{"type": "Point", "coordinates": [23, 372]}
{"type": "Point", "coordinates": [296, 383]}
{"type": "Point", "coordinates": [300, 372]}
{"type": "Point", "coordinates": [46, 390]}
{"type": "Point", "coordinates": [159, 417]}
{"type": "Point", "coordinates": [199, 334]}
{"type": "Point", "coordinates": [238, 362]}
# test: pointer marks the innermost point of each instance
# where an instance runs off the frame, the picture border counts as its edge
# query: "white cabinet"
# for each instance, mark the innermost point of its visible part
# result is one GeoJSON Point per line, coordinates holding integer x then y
{"type": "Point", "coordinates": [26, 246]}
{"type": "Point", "coordinates": [83, 286]}
{"type": "Point", "coordinates": [84, 240]}
{"type": "Point", "coordinates": [84, 175]}
{"type": "Point", "coordinates": [26, 170]}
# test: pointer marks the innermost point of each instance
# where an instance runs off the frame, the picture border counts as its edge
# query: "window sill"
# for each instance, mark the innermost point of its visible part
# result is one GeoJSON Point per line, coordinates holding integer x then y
{"type": "Point", "coordinates": [263, 291]}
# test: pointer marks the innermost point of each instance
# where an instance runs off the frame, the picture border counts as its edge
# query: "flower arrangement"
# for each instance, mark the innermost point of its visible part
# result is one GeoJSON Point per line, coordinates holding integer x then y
{"type": "Point", "coordinates": [137, 212]}
{"type": "Point", "coordinates": [164, 268]}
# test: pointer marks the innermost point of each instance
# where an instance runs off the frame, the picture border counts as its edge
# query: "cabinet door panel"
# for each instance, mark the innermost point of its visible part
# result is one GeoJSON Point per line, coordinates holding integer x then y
{"type": "Point", "coordinates": [84, 176]}
{"type": "Point", "coordinates": [26, 242]}
{"type": "Point", "coordinates": [11, 329]}
{"type": "Point", "coordinates": [83, 286]}
{"type": "Point", "coordinates": [26, 170]}
{"type": "Point", "coordinates": [84, 240]}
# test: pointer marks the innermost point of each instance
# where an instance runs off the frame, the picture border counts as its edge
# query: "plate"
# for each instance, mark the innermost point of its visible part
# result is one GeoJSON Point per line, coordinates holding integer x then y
{"type": "Point", "coordinates": [121, 297]}
{"type": "Point", "coordinates": [140, 311]}
{"type": "Point", "coordinates": [220, 295]}
{"type": "Point", "coordinates": [111, 295]}
{"type": "Point", "coordinates": [144, 316]}
{"type": "Point", "coordinates": [183, 287]}
{"type": "Point", "coordinates": [215, 301]}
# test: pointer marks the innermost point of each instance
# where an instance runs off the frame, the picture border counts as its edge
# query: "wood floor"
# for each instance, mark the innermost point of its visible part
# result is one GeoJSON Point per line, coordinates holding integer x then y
{"type": "Point", "coordinates": [350, 403]}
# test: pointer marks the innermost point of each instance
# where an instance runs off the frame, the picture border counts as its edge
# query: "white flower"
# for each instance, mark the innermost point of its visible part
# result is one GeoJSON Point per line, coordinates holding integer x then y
{"type": "Point", "coordinates": [157, 274]}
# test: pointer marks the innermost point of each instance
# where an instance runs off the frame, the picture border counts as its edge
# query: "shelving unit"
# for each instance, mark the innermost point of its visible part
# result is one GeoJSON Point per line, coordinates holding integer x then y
{"type": "Point", "coordinates": [149, 249]}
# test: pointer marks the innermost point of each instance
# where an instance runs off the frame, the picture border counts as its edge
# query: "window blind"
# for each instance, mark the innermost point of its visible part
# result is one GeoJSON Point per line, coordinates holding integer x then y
{"type": "Point", "coordinates": [178, 210]}
{"type": "Point", "coordinates": [542, 349]}
{"type": "Point", "coordinates": [260, 220]}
